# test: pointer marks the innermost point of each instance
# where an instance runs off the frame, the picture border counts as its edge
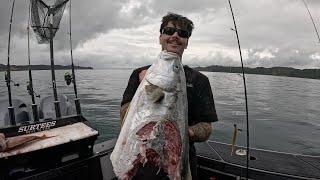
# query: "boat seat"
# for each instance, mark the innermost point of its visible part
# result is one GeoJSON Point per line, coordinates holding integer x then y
{"type": "Point", "coordinates": [21, 112]}
{"type": "Point", "coordinates": [47, 110]}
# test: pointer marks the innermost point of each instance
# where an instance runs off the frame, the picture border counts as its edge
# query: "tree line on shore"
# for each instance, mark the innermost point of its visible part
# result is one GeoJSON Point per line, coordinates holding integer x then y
{"type": "Point", "coordinates": [38, 67]}
{"type": "Point", "coordinates": [274, 71]}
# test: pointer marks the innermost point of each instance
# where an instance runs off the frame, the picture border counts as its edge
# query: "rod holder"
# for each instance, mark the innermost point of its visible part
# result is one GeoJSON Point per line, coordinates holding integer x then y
{"type": "Point", "coordinates": [35, 113]}
{"type": "Point", "coordinates": [78, 107]}
{"type": "Point", "coordinates": [12, 116]}
{"type": "Point", "coordinates": [57, 108]}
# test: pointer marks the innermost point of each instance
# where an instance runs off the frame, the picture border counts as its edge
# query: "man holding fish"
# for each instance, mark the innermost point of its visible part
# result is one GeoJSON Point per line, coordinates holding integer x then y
{"type": "Point", "coordinates": [191, 95]}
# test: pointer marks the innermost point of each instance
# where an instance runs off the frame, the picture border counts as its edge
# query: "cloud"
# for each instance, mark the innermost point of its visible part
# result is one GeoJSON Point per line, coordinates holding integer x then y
{"type": "Point", "coordinates": [125, 33]}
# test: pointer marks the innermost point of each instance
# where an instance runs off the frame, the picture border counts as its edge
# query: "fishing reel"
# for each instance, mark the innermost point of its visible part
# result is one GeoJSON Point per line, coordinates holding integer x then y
{"type": "Point", "coordinates": [8, 80]}
{"type": "Point", "coordinates": [30, 90]}
{"type": "Point", "coordinates": [68, 78]}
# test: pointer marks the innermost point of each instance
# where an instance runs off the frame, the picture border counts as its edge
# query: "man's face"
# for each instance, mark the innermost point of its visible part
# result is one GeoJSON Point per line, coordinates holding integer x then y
{"type": "Point", "coordinates": [173, 43]}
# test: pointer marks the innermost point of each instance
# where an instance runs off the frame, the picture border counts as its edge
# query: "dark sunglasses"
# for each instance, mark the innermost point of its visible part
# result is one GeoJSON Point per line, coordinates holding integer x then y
{"type": "Point", "coordinates": [171, 30]}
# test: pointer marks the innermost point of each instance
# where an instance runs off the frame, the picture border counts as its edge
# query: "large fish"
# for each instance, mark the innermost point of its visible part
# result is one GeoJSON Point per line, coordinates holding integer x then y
{"type": "Point", "coordinates": [7, 144]}
{"type": "Point", "coordinates": [155, 127]}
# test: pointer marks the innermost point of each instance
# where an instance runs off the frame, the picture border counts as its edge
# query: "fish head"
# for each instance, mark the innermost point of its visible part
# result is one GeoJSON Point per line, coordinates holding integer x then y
{"type": "Point", "coordinates": [165, 71]}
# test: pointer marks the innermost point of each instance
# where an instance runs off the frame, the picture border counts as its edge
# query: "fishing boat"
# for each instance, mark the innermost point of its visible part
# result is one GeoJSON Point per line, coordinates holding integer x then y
{"type": "Point", "coordinates": [64, 146]}
{"type": "Point", "coordinates": [35, 139]}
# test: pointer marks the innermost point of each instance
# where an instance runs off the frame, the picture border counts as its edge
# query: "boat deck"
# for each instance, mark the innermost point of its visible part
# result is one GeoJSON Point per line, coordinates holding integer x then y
{"type": "Point", "coordinates": [262, 162]}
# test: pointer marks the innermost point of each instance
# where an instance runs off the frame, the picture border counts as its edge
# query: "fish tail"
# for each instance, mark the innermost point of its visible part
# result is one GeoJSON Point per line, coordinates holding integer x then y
{"type": "Point", "coordinates": [44, 136]}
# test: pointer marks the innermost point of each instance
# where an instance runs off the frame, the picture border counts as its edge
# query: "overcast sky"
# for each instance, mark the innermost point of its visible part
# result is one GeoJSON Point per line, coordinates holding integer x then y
{"type": "Point", "coordinates": [125, 33]}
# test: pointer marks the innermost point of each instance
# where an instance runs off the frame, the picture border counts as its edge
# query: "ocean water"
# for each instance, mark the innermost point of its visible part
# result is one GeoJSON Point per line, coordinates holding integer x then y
{"type": "Point", "coordinates": [283, 111]}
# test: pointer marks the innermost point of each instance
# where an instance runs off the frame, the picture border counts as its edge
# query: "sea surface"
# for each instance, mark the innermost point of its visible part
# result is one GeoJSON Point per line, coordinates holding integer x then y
{"type": "Point", "coordinates": [284, 112]}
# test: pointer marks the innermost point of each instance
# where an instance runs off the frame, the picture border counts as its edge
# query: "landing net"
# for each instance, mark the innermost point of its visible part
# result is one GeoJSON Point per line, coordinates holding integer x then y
{"type": "Point", "coordinates": [41, 18]}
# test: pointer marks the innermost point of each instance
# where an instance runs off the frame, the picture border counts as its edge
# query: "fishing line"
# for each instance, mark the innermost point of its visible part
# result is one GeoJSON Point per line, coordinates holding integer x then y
{"type": "Point", "coordinates": [245, 90]}
{"type": "Point", "coordinates": [8, 75]}
{"type": "Point", "coordinates": [77, 100]}
{"type": "Point", "coordinates": [314, 25]}
{"type": "Point", "coordinates": [30, 84]}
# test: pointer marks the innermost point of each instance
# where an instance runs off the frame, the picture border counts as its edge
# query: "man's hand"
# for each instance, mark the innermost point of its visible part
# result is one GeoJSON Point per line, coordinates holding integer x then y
{"type": "Point", "coordinates": [123, 112]}
{"type": "Point", "coordinates": [142, 74]}
{"type": "Point", "coordinates": [200, 132]}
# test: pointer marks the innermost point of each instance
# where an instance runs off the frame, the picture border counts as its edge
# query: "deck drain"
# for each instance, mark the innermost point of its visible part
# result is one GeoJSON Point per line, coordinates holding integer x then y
{"type": "Point", "coordinates": [253, 158]}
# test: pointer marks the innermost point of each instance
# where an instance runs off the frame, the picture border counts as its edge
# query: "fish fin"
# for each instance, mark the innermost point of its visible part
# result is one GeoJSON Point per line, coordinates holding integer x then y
{"type": "Point", "coordinates": [154, 93]}
{"type": "Point", "coordinates": [144, 162]}
{"type": "Point", "coordinates": [189, 176]}
{"type": "Point", "coordinates": [158, 171]}
{"type": "Point", "coordinates": [44, 136]}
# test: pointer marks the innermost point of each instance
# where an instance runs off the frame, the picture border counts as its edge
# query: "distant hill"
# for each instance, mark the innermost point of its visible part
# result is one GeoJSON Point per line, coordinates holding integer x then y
{"type": "Point", "coordinates": [38, 67]}
{"type": "Point", "coordinates": [274, 71]}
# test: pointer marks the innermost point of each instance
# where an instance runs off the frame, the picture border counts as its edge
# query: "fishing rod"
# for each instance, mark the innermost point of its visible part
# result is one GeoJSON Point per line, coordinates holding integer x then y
{"type": "Point", "coordinates": [41, 27]}
{"type": "Point", "coordinates": [73, 78]}
{"type": "Point", "coordinates": [245, 90]}
{"type": "Point", "coordinates": [314, 25]}
{"type": "Point", "coordinates": [8, 75]}
{"type": "Point", "coordinates": [30, 83]}
{"type": "Point", "coordinates": [53, 76]}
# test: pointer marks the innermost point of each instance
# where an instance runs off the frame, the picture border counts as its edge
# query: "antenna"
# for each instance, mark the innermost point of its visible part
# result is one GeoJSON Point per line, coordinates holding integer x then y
{"type": "Point", "coordinates": [245, 89]}
{"type": "Point", "coordinates": [8, 74]}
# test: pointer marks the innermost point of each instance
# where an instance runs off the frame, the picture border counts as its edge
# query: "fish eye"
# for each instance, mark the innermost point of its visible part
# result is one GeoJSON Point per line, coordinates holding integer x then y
{"type": "Point", "coordinates": [175, 68]}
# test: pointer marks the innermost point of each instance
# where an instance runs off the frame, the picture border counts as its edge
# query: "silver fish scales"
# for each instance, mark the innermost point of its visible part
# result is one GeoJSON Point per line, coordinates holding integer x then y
{"type": "Point", "coordinates": [155, 127]}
